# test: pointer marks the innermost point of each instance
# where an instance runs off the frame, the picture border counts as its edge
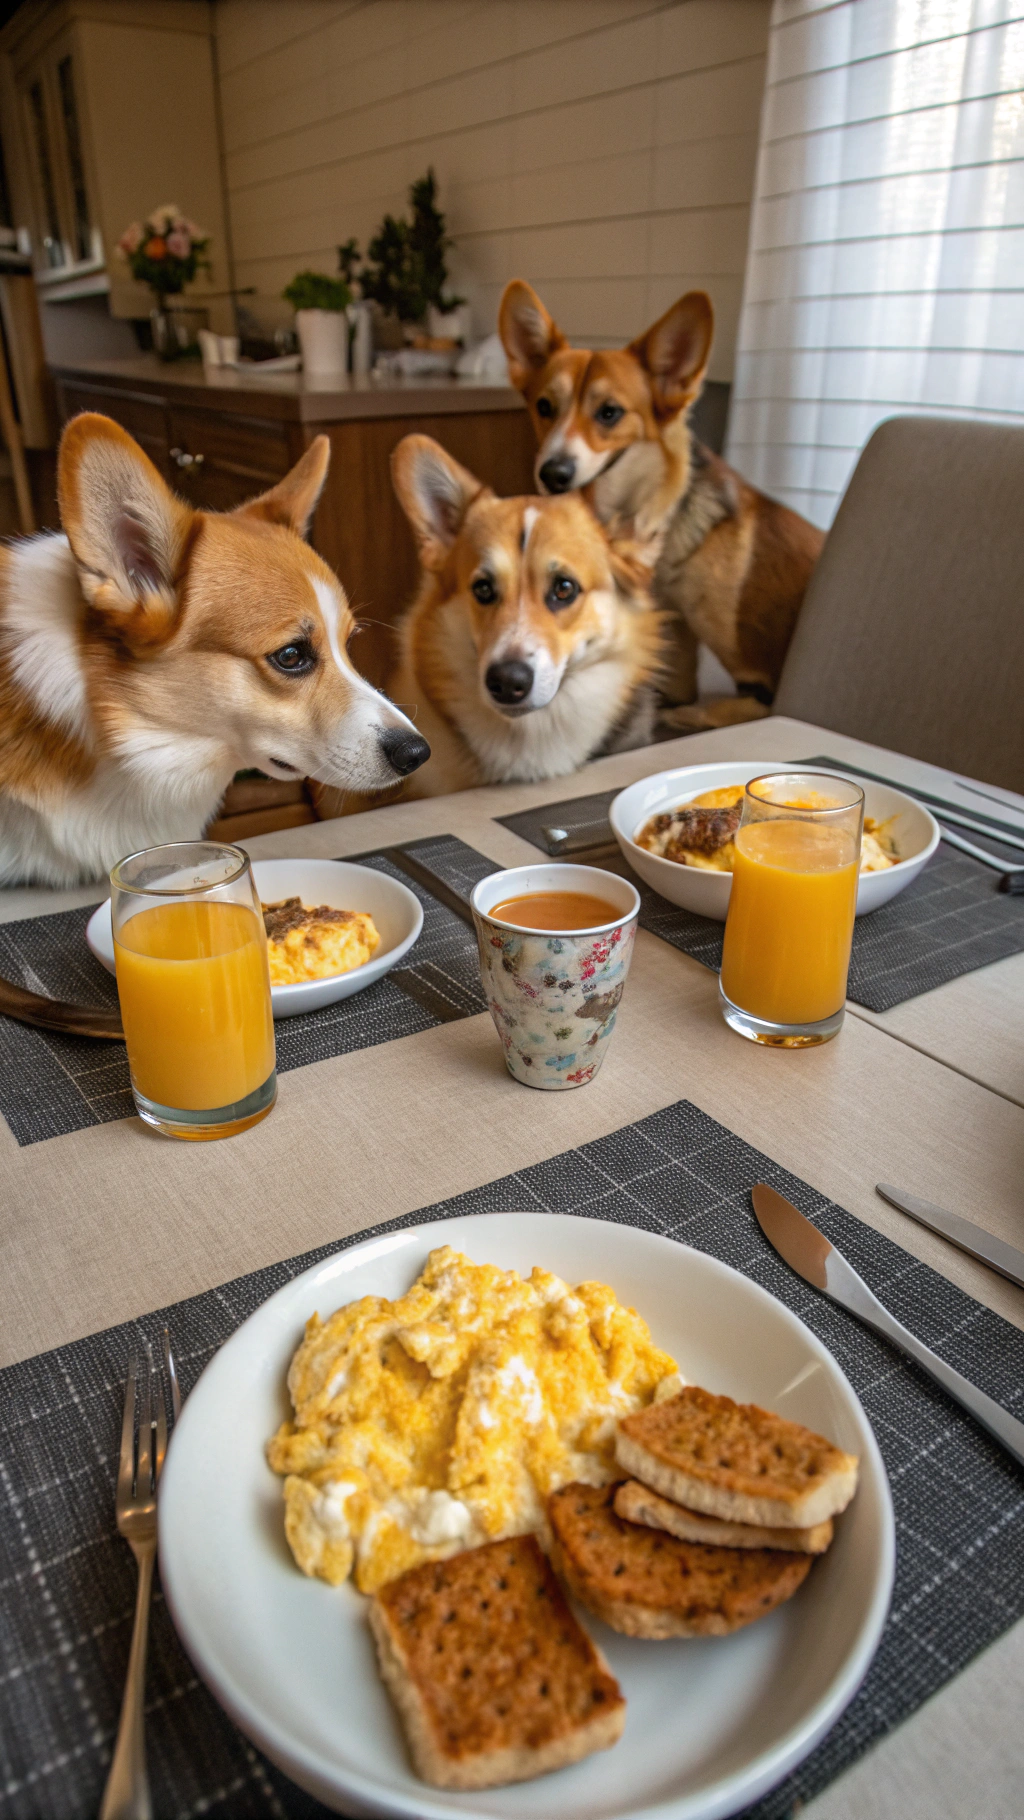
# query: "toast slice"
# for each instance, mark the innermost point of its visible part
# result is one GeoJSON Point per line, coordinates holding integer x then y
{"type": "Point", "coordinates": [493, 1678]}
{"type": "Point", "coordinates": [649, 1584]}
{"type": "Point", "coordinates": [638, 1504]}
{"type": "Point", "coordinates": [736, 1461]}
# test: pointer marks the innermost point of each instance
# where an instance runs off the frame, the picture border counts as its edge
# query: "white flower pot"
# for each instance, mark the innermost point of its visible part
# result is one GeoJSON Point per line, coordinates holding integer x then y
{"type": "Point", "coordinates": [323, 338]}
{"type": "Point", "coordinates": [454, 325]}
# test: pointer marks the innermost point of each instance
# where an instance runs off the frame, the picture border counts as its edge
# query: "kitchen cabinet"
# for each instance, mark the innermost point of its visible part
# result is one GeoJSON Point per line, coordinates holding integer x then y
{"type": "Point", "coordinates": [109, 110]}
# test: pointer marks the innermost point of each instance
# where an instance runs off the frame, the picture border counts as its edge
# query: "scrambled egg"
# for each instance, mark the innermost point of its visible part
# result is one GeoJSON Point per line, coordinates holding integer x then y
{"type": "Point", "coordinates": [306, 944]}
{"type": "Point", "coordinates": [877, 852]}
{"type": "Point", "coordinates": [444, 1419]}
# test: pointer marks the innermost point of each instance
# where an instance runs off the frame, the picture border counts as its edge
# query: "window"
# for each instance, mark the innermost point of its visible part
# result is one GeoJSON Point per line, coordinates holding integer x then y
{"type": "Point", "coordinates": [52, 243]}
{"type": "Point", "coordinates": [886, 266]}
{"type": "Point", "coordinates": [76, 165]}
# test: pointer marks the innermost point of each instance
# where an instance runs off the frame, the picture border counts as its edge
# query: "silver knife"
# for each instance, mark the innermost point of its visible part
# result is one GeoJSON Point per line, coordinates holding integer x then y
{"type": "Point", "coordinates": [808, 1252]}
{"type": "Point", "coordinates": [978, 1243]}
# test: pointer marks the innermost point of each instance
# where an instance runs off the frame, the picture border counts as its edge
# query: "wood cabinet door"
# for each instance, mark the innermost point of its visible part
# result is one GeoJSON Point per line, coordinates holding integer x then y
{"type": "Point", "coordinates": [217, 461]}
{"type": "Point", "coordinates": [142, 414]}
{"type": "Point", "coordinates": [361, 530]}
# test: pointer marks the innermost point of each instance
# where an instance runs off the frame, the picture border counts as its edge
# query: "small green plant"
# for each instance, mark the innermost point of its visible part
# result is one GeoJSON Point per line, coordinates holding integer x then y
{"type": "Point", "coordinates": [429, 243]}
{"type": "Point", "coordinates": [404, 271]}
{"type": "Point", "coordinates": [348, 259]}
{"type": "Point", "coordinates": [317, 291]}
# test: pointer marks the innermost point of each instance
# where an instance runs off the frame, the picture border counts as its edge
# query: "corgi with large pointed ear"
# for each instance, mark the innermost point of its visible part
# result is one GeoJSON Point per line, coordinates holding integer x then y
{"type": "Point", "coordinates": [533, 644]}
{"type": "Point", "coordinates": [615, 421]}
{"type": "Point", "coordinates": [155, 650]}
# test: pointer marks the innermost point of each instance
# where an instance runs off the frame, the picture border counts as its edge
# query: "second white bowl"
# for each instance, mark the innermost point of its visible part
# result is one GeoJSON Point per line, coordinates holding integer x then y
{"type": "Point", "coordinates": [914, 830]}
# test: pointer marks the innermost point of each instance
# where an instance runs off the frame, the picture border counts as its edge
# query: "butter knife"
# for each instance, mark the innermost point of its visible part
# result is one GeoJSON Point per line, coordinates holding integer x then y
{"type": "Point", "coordinates": [978, 1243]}
{"type": "Point", "coordinates": [809, 1253]}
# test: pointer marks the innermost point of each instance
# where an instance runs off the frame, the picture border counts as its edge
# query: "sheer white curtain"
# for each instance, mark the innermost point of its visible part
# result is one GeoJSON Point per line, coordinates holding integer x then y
{"type": "Point", "coordinates": [886, 263]}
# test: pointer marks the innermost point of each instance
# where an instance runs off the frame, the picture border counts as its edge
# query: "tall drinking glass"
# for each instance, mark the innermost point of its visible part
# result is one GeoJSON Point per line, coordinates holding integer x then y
{"type": "Point", "coordinates": [194, 984]}
{"type": "Point", "coordinates": [789, 929]}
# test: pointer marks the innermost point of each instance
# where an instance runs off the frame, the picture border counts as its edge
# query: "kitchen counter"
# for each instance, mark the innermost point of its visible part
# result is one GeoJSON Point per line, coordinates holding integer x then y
{"type": "Point", "coordinates": [293, 397]}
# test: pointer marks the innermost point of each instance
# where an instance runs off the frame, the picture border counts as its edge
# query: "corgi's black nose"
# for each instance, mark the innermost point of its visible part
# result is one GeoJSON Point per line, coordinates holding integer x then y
{"type": "Point", "coordinates": [510, 682]}
{"type": "Point", "coordinates": [558, 473]}
{"type": "Point", "coordinates": [404, 751]}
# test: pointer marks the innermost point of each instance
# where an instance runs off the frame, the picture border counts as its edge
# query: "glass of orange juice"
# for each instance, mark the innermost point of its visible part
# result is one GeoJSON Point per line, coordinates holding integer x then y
{"type": "Point", "coordinates": [190, 950]}
{"type": "Point", "coordinates": [789, 929]}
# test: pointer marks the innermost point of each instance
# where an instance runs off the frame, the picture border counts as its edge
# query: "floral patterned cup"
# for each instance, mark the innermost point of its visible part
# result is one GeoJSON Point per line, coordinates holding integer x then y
{"type": "Point", "coordinates": [553, 996]}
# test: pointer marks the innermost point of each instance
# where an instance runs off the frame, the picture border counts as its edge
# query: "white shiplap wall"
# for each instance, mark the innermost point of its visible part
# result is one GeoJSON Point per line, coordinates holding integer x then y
{"type": "Point", "coordinates": [604, 149]}
{"type": "Point", "coordinates": [886, 264]}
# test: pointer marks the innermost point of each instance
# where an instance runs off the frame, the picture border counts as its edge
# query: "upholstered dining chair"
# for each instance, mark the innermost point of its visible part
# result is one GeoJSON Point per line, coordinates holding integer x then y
{"type": "Point", "coordinates": [912, 632]}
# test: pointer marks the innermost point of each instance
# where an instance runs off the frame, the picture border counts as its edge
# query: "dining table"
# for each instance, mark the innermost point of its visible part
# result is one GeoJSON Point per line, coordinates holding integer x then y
{"type": "Point", "coordinates": [102, 1224]}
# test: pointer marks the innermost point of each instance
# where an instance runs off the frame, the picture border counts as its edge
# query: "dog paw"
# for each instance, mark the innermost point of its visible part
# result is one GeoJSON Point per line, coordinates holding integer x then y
{"type": "Point", "coordinates": [705, 716]}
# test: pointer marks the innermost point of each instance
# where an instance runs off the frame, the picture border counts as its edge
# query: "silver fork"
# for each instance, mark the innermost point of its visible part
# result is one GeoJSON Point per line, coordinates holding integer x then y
{"type": "Point", "coordinates": [126, 1796]}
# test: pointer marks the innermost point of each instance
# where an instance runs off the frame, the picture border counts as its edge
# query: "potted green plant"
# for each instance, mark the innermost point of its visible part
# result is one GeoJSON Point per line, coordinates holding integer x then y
{"type": "Point", "coordinates": [444, 316]}
{"type": "Point", "coordinates": [166, 251]}
{"type": "Point", "coordinates": [320, 303]}
{"type": "Point", "coordinates": [404, 274]}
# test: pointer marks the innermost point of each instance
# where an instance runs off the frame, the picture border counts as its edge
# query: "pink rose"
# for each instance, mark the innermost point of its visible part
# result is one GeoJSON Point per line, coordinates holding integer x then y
{"type": "Point", "coordinates": [179, 244]}
{"type": "Point", "coordinates": [130, 239]}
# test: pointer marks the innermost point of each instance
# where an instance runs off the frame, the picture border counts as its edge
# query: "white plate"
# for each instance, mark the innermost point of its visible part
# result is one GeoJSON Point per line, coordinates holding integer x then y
{"type": "Point", "coordinates": [711, 1723]}
{"type": "Point", "coordinates": [915, 832]}
{"type": "Point", "coordinates": [396, 911]}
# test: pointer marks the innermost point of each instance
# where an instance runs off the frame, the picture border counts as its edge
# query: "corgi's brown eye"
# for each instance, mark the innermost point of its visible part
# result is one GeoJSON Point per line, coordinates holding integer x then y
{"type": "Point", "coordinates": [545, 408]}
{"type": "Point", "coordinates": [484, 590]}
{"type": "Point", "coordinates": [608, 414]}
{"type": "Point", "coordinates": [294, 659]}
{"type": "Point", "coordinates": [563, 591]}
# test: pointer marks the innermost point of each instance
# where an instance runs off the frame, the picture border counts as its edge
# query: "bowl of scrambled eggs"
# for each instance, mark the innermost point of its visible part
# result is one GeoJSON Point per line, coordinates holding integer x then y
{"type": "Point", "coordinates": [333, 928]}
{"type": "Point", "coordinates": [677, 830]}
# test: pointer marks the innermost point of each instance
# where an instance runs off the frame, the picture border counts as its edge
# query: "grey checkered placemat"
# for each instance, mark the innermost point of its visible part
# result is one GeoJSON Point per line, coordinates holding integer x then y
{"type": "Point", "coordinates": [950, 921]}
{"type": "Point", "coordinates": [67, 1582]}
{"type": "Point", "coordinates": [51, 1084]}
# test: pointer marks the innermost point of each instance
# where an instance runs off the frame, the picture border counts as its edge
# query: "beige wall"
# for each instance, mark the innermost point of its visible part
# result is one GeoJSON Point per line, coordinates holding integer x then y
{"type": "Point", "coordinates": [603, 149]}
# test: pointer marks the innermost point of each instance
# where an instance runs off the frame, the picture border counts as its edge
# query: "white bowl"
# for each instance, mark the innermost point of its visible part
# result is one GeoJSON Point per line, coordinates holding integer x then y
{"type": "Point", "coordinates": [713, 1722]}
{"type": "Point", "coordinates": [915, 832]}
{"type": "Point", "coordinates": [395, 909]}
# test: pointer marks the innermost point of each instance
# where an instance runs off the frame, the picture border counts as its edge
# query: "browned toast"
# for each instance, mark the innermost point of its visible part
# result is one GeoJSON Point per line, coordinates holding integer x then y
{"type": "Point", "coordinates": [638, 1504]}
{"type": "Point", "coordinates": [648, 1584]}
{"type": "Point", "coordinates": [736, 1461]}
{"type": "Point", "coordinates": [494, 1679]}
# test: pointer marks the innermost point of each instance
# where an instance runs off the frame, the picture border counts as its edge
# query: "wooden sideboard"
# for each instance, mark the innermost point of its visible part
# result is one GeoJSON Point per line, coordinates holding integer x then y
{"type": "Point", "coordinates": [220, 437]}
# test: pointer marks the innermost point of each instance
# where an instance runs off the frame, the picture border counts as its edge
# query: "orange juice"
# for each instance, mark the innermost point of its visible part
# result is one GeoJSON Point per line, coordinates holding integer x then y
{"type": "Point", "coordinates": [194, 988]}
{"type": "Point", "coordinates": [790, 924]}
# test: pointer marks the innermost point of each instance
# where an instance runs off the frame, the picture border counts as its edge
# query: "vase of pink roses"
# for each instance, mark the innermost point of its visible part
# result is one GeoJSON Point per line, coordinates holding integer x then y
{"type": "Point", "coordinates": [166, 251]}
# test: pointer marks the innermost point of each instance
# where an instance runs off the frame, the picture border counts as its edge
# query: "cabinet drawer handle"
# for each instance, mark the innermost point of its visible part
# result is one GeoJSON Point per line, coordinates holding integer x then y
{"type": "Point", "coordinates": [185, 460]}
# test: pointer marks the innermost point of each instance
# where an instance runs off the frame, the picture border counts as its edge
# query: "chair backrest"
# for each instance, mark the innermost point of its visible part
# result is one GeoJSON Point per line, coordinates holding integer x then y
{"type": "Point", "coordinates": [912, 632]}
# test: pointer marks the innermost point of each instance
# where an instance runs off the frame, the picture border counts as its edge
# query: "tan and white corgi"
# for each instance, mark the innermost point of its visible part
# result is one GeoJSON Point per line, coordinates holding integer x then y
{"type": "Point", "coordinates": [533, 644]}
{"type": "Point", "coordinates": [735, 564]}
{"type": "Point", "coordinates": [153, 650]}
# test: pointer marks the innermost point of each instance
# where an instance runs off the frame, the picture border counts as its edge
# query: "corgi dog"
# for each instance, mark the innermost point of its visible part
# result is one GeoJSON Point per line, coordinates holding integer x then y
{"type": "Point", "coordinates": [533, 644]}
{"type": "Point", "coordinates": [152, 651]}
{"type": "Point", "coordinates": [735, 564]}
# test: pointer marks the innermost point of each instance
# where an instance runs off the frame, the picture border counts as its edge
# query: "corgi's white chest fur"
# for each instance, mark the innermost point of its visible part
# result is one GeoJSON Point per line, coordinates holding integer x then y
{"type": "Point", "coordinates": [153, 786]}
